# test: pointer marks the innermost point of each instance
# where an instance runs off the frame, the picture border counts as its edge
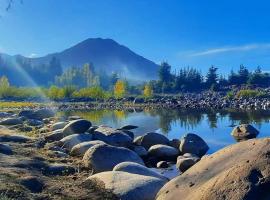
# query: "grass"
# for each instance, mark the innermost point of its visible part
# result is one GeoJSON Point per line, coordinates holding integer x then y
{"type": "Point", "coordinates": [14, 104]}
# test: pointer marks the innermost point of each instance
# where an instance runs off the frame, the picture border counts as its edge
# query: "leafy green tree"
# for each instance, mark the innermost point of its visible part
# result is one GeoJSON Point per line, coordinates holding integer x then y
{"type": "Point", "coordinates": [4, 86]}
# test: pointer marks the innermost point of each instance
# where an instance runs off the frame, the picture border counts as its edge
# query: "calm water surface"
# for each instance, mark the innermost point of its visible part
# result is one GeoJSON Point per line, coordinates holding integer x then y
{"type": "Point", "coordinates": [213, 126]}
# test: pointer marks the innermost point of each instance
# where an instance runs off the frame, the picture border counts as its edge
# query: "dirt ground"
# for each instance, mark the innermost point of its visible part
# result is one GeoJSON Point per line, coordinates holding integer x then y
{"type": "Point", "coordinates": [17, 167]}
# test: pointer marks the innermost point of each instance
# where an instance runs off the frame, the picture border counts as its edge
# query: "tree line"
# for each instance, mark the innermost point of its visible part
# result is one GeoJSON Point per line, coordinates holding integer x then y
{"type": "Point", "coordinates": [191, 80]}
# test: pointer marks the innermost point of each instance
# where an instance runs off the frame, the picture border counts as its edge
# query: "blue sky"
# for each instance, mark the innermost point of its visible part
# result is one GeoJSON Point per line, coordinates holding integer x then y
{"type": "Point", "coordinates": [185, 33]}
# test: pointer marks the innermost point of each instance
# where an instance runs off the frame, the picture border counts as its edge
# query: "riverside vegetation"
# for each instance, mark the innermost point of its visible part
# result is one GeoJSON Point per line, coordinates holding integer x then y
{"type": "Point", "coordinates": [85, 83]}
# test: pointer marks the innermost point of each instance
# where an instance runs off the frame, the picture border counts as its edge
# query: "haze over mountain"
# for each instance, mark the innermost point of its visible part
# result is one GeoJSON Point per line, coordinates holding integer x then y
{"type": "Point", "coordinates": [106, 55]}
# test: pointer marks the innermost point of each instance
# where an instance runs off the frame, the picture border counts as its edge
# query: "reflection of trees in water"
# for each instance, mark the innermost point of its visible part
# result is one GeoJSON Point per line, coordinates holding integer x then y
{"type": "Point", "coordinates": [185, 118]}
{"type": "Point", "coordinates": [212, 118]}
{"type": "Point", "coordinates": [189, 119]}
{"type": "Point", "coordinates": [96, 116]}
{"type": "Point", "coordinates": [249, 117]}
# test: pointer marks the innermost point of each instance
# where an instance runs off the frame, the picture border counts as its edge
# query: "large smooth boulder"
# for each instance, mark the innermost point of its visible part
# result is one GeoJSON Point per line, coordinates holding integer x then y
{"type": "Point", "coordinates": [81, 148]}
{"type": "Point", "coordinates": [244, 132]}
{"type": "Point", "coordinates": [54, 135]}
{"type": "Point", "coordinates": [5, 114]}
{"type": "Point", "coordinates": [135, 168]}
{"type": "Point", "coordinates": [77, 127]}
{"type": "Point", "coordinates": [140, 150]}
{"type": "Point", "coordinates": [103, 157]}
{"type": "Point", "coordinates": [239, 171]}
{"type": "Point", "coordinates": [37, 114]}
{"type": "Point", "coordinates": [112, 136]}
{"type": "Point", "coordinates": [5, 149]}
{"type": "Point", "coordinates": [164, 152]}
{"type": "Point", "coordinates": [192, 143]}
{"type": "Point", "coordinates": [26, 113]}
{"type": "Point", "coordinates": [70, 141]}
{"type": "Point", "coordinates": [15, 138]}
{"type": "Point", "coordinates": [150, 139]}
{"type": "Point", "coordinates": [43, 113]}
{"type": "Point", "coordinates": [11, 121]}
{"type": "Point", "coordinates": [32, 183]}
{"type": "Point", "coordinates": [129, 186]}
{"type": "Point", "coordinates": [34, 122]}
{"type": "Point", "coordinates": [58, 125]}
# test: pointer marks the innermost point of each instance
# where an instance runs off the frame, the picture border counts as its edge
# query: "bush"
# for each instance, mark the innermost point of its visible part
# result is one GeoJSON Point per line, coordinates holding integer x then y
{"type": "Point", "coordinates": [230, 95]}
{"type": "Point", "coordinates": [250, 93]}
{"type": "Point", "coordinates": [92, 92]}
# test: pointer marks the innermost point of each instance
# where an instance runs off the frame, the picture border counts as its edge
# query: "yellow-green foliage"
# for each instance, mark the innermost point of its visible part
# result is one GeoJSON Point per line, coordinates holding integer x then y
{"type": "Point", "coordinates": [55, 92]}
{"type": "Point", "coordinates": [4, 86]}
{"type": "Point", "coordinates": [249, 93]}
{"type": "Point", "coordinates": [120, 89]}
{"type": "Point", "coordinates": [230, 95]}
{"type": "Point", "coordinates": [91, 92]}
{"type": "Point", "coordinates": [148, 91]}
{"type": "Point", "coordinates": [17, 104]}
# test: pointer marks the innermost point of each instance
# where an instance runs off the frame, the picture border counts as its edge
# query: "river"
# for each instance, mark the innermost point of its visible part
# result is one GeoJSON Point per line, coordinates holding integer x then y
{"type": "Point", "coordinates": [213, 126]}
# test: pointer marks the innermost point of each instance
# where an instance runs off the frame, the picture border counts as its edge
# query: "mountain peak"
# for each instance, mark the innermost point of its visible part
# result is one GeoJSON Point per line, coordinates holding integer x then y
{"type": "Point", "coordinates": [106, 55]}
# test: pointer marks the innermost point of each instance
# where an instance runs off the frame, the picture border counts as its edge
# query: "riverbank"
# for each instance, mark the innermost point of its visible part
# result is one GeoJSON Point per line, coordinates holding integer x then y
{"type": "Point", "coordinates": [204, 100]}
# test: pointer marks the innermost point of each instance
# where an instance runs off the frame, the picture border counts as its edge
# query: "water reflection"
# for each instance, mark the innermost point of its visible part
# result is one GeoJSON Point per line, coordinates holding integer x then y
{"type": "Point", "coordinates": [214, 126]}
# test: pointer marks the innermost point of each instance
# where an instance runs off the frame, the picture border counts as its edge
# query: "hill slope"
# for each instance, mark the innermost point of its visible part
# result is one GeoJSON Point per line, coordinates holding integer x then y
{"type": "Point", "coordinates": [106, 55]}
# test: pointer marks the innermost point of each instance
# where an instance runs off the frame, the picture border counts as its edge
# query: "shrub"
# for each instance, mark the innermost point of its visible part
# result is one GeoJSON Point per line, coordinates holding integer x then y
{"type": "Point", "coordinates": [230, 95]}
{"type": "Point", "coordinates": [250, 93]}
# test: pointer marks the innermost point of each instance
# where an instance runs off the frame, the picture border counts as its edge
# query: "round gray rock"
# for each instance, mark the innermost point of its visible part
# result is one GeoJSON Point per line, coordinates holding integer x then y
{"type": "Point", "coordinates": [112, 136]}
{"type": "Point", "coordinates": [192, 143]}
{"type": "Point", "coordinates": [54, 136]}
{"type": "Point", "coordinates": [81, 148]}
{"type": "Point", "coordinates": [163, 151]}
{"type": "Point", "coordinates": [5, 149]}
{"type": "Point", "coordinates": [150, 139]}
{"type": "Point", "coordinates": [244, 132]}
{"type": "Point", "coordinates": [129, 186]}
{"type": "Point", "coordinates": [135, 168]}
{"type": "Point", "coordinates": [77, 127]}
{"type": "Point", "coordinates": [11, 121]}
{"type": "Point", "coordinates": [184, 163]}
{"type": "Point", "coordinates": [58, 125]}
{"type": "Point", "coordinates": [103, 157]}
{"type": "Point", "coordinates": [70, 141]}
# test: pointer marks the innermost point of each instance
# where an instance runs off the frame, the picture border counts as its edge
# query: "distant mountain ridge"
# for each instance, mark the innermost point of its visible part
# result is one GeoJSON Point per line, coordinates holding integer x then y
{"type": "Point", "coordinates": [106, 55]}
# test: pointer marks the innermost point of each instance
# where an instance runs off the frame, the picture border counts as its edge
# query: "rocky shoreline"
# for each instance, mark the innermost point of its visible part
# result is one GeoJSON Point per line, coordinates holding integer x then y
{"type": "Point", "coordinates": [70, 158]}
{"type": "Point", "coordinates": [203, 100]}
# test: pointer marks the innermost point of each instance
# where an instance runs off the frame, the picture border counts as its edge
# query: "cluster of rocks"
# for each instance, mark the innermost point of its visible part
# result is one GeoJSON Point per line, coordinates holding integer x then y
{"type": "Point", "coordinates": [114, 156]}
{"type": "Point", "coordinates": [204, 100]}
{"type": "Point", "coordinates": [123, 164]}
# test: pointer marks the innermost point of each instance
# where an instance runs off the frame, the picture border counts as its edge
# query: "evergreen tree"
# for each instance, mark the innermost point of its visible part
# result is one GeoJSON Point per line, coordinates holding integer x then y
{"type": "Point", "coordinates": [243, 75]}
{"type": "Point", "coordinates": [212, 77]}
{"type": "Point", "coordinates": [164, 73]}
